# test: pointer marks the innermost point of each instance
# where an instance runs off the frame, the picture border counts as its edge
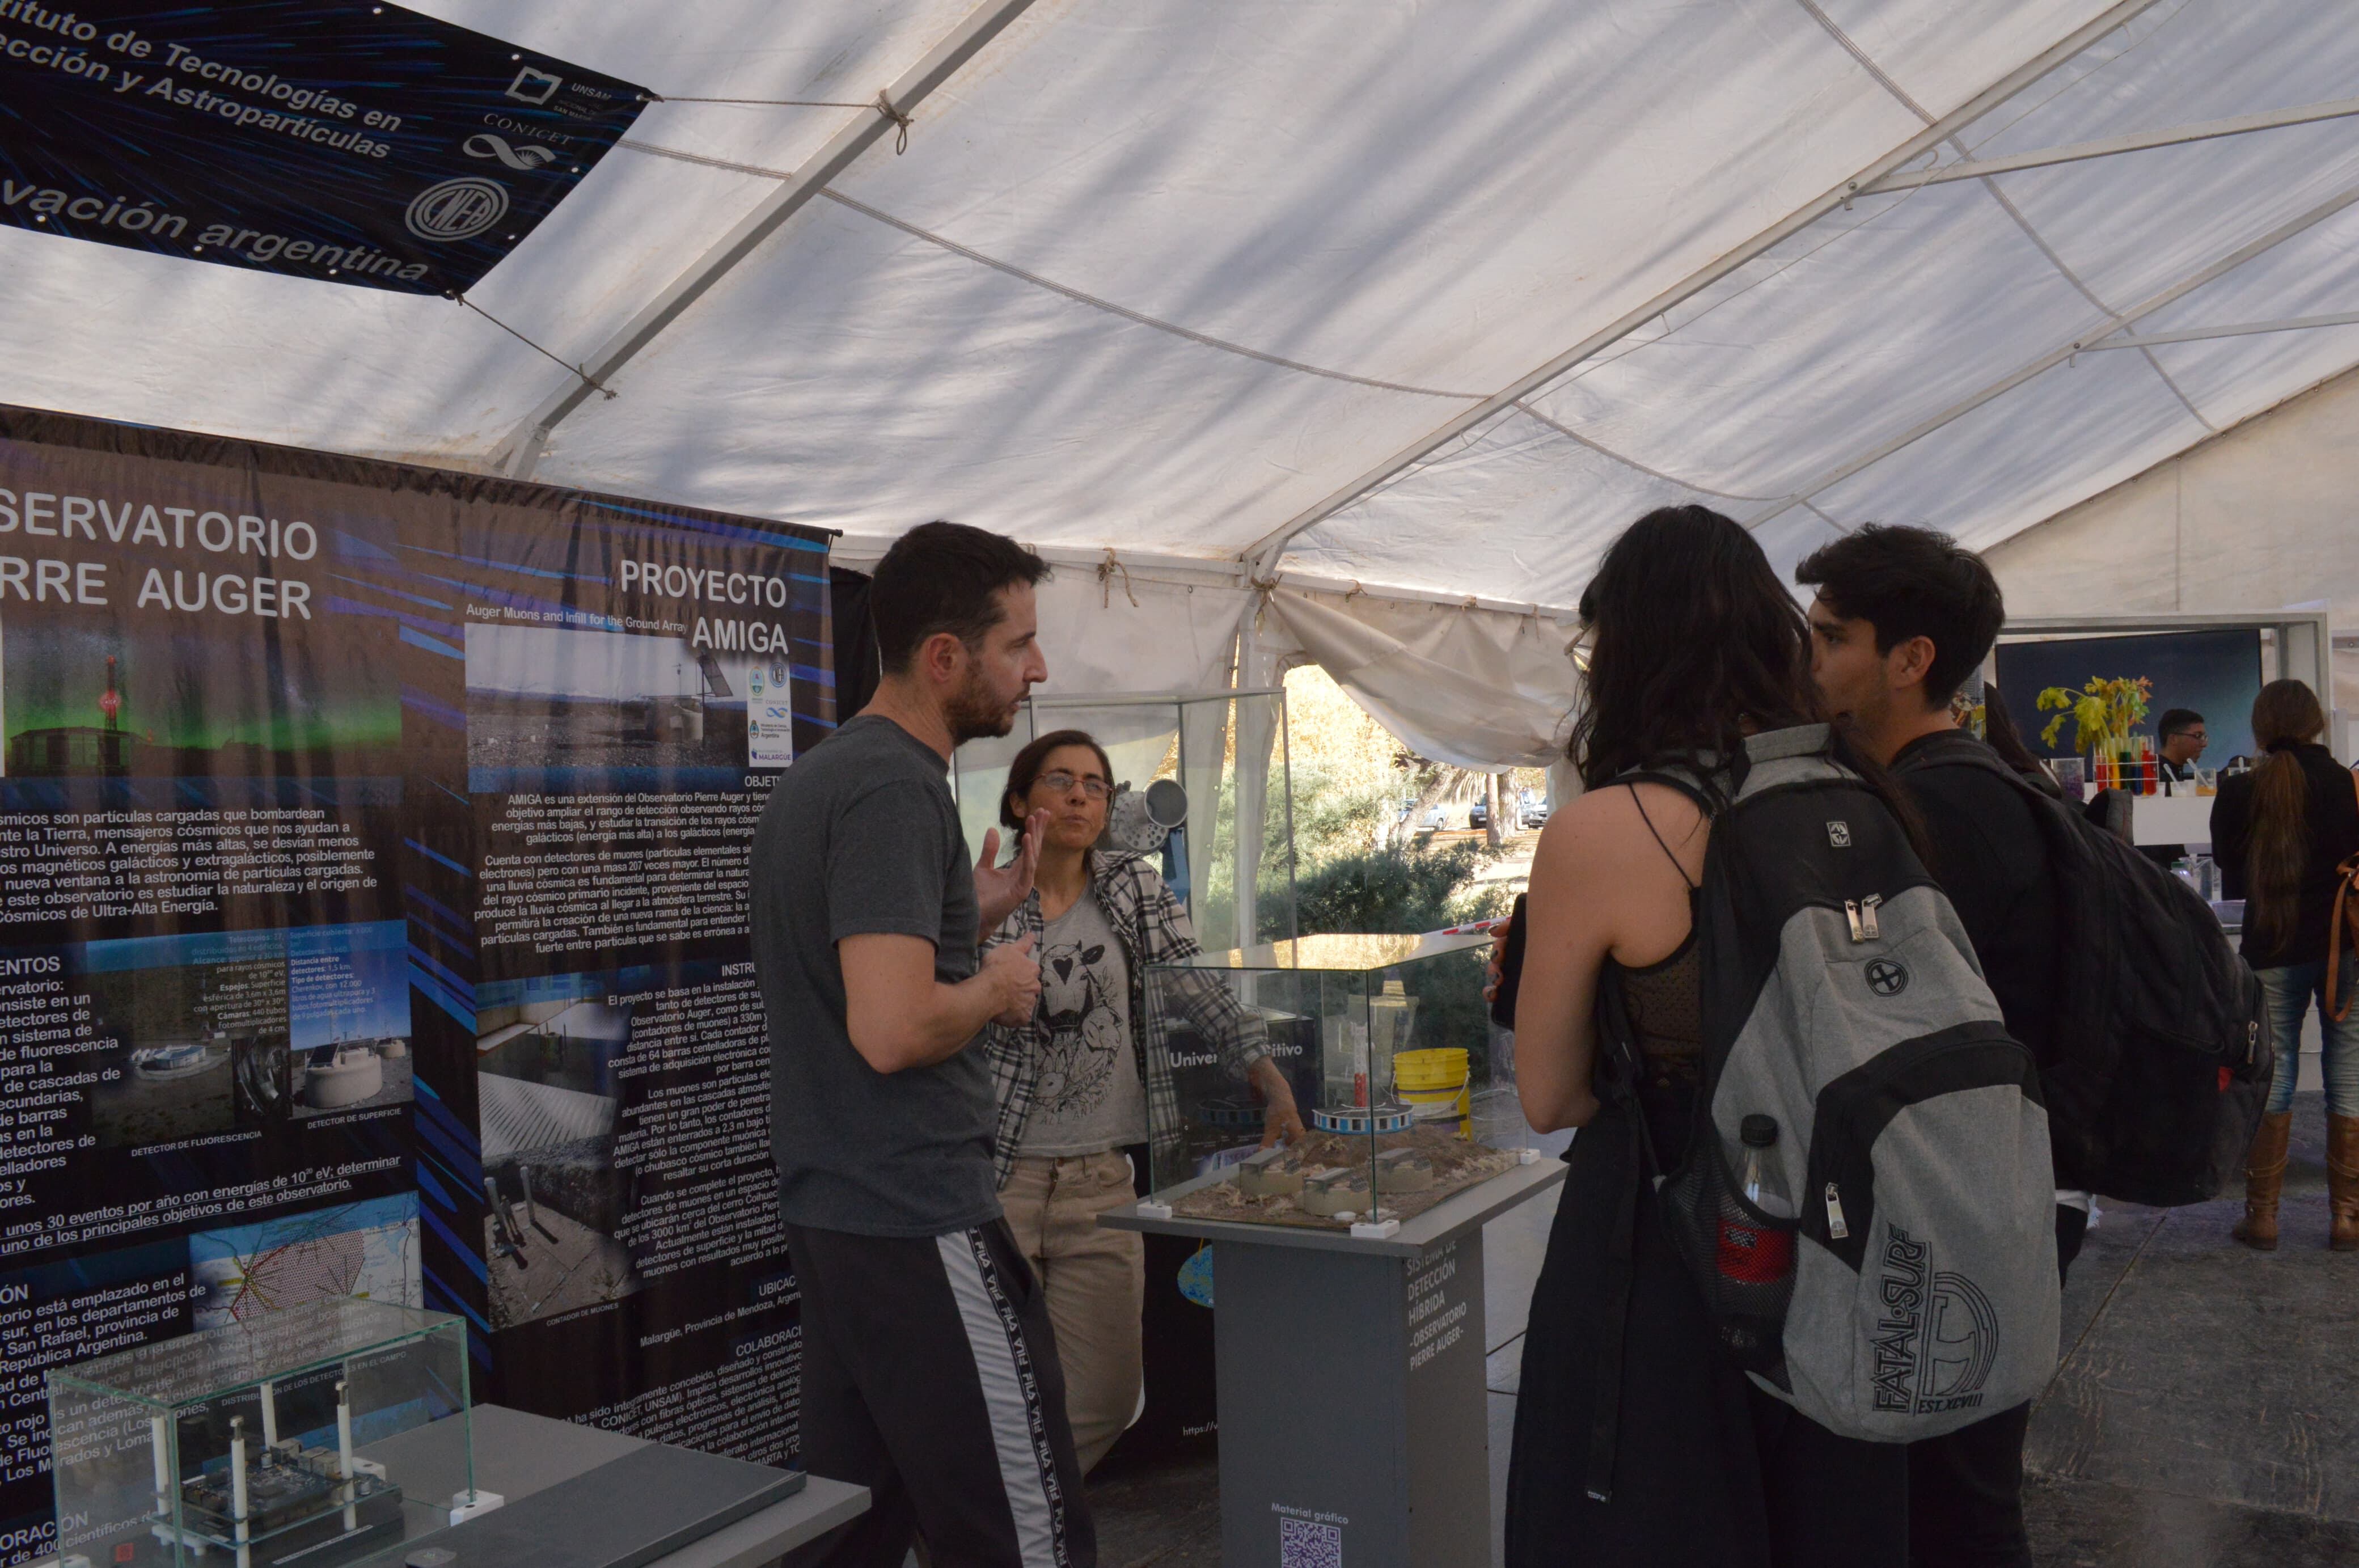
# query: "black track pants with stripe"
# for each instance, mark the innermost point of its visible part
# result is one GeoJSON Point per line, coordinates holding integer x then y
{"type": "Point", "coordinates": [930, 1377]}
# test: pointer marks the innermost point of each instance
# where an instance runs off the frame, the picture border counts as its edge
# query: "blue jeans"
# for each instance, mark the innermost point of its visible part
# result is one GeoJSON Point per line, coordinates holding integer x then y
{"type": "Point", "coordinates": [2290, 990]}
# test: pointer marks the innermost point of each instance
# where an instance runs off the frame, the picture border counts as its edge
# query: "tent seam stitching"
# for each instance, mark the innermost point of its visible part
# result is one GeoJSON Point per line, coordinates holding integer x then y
{"type": "Point", "coordinates": [1851, 48]}
{"type": "Point", "coordinates": [1078, 296]}
{"type": "Point", "coordinates": [1202, 339]}
{"type": "Point", "coordinates": [1575, 436]}
{"type": "Point", "coordinates": [1990, 183]}
{"type": "Point", "coordinates": [2007, 205]}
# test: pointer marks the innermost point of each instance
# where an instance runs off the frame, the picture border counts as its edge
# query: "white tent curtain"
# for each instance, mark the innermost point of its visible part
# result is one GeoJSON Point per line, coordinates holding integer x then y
{"type": "Point", "coordinates": [1106, 627]}
{"type": "Point", "coordinates": [1480, 689]}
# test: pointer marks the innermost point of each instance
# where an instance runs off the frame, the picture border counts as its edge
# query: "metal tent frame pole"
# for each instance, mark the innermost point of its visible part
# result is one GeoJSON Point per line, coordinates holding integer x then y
{"type": "Point", "coordinates": [1265, 551]}
{"type": "Point", "coordinates": [2062, 355]}
{"type": "Point", "coordinates": [520, 453]}
{"type": "Point", "coordinates": [2111, 147]}
{"type": "Point", "coordinates": [2239, 329]}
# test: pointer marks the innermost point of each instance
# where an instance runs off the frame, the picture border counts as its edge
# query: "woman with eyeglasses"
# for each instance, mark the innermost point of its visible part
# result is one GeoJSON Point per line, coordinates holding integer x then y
{"type": "Point", "coordinates": [1076, 1083]}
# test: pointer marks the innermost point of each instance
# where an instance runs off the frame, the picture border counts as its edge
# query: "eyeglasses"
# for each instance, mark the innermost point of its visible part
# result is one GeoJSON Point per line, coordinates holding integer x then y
{"type": "Point", "coordinates": [1062, 783]}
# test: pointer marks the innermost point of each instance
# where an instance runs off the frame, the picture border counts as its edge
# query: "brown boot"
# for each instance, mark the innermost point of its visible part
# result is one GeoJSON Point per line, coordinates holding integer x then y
{"type": "Point", "coordinates": [2265, 1169]}
{"type": "Point", "coordinates": [2342, 1182]}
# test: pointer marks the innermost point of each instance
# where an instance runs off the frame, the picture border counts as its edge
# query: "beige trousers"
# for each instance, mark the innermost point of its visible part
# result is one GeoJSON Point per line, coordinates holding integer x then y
{"type": "Point", "coordinates": [1095, 1281]}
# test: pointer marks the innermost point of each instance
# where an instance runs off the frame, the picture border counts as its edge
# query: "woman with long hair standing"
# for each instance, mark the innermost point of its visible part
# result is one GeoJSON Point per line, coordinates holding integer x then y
{"type": "Point", "coordinates": [1076, 1083]}
{"type": "Point", "coordinates": [1638, 1440]}
{"type": "Point", "coordinates": [2278, 832]}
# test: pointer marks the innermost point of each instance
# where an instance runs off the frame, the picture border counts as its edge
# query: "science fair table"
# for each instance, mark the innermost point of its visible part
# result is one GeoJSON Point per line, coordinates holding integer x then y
{"type": "Point", "coordinates": [1353, 1415]}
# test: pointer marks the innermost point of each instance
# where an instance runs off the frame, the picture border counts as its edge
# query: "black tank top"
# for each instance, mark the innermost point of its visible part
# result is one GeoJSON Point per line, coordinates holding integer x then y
{"type": "Point", "coordinates": [1664, 1001]}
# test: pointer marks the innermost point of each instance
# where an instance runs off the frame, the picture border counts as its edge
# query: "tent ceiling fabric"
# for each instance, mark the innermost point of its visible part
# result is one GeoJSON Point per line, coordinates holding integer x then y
{"type": "Point", "coordinates": [1164, 274]}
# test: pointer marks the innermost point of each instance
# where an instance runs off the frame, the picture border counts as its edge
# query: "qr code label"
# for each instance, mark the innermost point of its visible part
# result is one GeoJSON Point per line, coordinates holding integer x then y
{"type": "Point", "coordinates": [1303, 1544]}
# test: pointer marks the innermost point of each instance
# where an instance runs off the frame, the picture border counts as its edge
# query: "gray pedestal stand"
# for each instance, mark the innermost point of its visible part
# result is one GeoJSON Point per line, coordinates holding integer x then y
{"type": "Point", "coordinates": [1353, 1421]}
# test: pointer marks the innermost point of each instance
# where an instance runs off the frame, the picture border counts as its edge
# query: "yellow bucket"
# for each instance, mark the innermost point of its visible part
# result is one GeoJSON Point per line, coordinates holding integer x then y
{"type": "Point", "coordinates": [1432, 1084]}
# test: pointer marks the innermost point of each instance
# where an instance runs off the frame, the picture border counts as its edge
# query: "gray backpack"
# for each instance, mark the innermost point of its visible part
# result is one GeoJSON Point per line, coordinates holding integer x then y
{"type": "Point", "coordinates": [1916, 1291]}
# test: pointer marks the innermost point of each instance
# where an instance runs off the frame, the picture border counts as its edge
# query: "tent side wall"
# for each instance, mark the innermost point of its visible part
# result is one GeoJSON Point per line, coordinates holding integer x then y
{"type": "Point", "coordinates": [2258, 519]}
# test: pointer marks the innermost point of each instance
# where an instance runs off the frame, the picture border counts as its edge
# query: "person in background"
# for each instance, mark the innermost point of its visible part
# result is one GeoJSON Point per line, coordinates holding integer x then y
{"type": "Point", "coordinates": [1637, 1442]}
{"type": "Point", "coordinates": [2180, 738]}
{"type": "Point", "coordinates": [1903, 616]}
{"type": "Point", "coordinates": [1076, 1082]}
{"type": "Point", "coordinates": [930, 1371]}
{"type": "Point", "coordinates": [2278, 832]}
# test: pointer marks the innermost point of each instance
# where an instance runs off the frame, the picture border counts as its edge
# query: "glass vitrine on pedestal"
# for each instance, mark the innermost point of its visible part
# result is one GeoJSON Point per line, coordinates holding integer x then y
{"type": "Point", "coordinates": [239, 1447]}
{"type": "Point", "coordinates": [1383, 1045]}
{"type": "Point", "coordinates": [1346, 1266]}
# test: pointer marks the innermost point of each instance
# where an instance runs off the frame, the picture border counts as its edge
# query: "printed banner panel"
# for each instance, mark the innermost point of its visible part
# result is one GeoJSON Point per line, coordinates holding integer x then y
{"type": "Point", "coordinates": [373, 921]}
{"type": "Point", "coordinates": [350, 141]}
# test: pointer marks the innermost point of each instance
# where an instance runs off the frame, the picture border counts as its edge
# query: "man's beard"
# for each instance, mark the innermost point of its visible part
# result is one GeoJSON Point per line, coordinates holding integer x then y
{"type": "Point", "coordinates": [973, 714]}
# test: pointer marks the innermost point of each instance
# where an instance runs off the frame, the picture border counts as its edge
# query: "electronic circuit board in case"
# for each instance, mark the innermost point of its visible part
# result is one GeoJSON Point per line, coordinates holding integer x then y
{"type": "Point", "coordinates": [240, 1446]}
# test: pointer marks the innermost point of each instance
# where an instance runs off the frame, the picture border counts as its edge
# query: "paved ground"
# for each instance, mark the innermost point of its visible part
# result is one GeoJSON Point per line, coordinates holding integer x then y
{"type": "Point", "coordinates": [2206, 1414]}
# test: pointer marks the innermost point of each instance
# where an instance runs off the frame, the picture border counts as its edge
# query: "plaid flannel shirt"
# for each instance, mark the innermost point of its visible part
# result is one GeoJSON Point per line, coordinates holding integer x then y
{"type": "Point", "coordinates": [1152, 927]}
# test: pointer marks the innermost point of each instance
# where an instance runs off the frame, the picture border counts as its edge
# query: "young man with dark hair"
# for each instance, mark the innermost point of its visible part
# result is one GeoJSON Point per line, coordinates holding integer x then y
{"type": "Point", "coordinates": [1903, 616]}
{"type": "Point", "coordinates": [930, 1372]}
{"type": "Point", "coordinates": [2180, 736]}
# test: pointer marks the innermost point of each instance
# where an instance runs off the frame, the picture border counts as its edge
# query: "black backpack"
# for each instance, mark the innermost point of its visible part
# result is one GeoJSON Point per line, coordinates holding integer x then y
{"type": "Point", "coordinates": [2161, 1053]}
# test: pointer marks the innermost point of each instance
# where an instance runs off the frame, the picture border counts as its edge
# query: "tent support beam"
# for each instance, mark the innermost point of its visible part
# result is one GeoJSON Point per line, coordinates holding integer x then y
{"type": "Point", "coordinates": [2242, 329]}
{"type": "Point", "coordinates": [521, 452]}
{"type": "Point", "coordinates": [2054, 357]}
{"type": "Point", "coordinates": [1265, 551]}
{"type": "Point", "coordinates": [2208, 130]}
{"type": "Point", "coordinates": [1227, 572]}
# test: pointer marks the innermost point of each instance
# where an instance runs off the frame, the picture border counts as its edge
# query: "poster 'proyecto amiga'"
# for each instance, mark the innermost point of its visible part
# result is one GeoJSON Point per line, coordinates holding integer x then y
{"type": "Point", "coordinates": [373, 846]}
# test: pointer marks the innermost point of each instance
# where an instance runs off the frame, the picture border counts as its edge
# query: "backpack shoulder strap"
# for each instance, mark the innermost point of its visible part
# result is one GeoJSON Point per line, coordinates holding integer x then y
{"type": "Point", "coordinates": [1963, 751]}
{"type": "Point", "coordinates": [1690, 783]}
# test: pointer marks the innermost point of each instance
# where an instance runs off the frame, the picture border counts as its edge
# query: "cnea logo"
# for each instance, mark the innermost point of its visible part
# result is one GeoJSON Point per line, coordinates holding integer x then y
{"type": "Point", "coordinates": [457, 209]}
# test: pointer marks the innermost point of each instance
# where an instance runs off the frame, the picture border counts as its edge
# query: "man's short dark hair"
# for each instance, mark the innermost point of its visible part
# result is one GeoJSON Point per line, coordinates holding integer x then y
{"type": "Point", "coordinates": [1910, 582]}
{"type": "Point", "coordinates": [2176, 721]}
{"type": "Point", "coordinates": [943, 577]}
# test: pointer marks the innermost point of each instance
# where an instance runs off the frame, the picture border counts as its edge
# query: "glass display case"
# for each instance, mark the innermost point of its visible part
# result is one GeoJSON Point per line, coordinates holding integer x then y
{"type": "Point", "coordinates": [1232, 863]}
{"type": "Point", "coordinates": [241, 1446]}
{"type": "Point", "coordinates": [1384, 1044]}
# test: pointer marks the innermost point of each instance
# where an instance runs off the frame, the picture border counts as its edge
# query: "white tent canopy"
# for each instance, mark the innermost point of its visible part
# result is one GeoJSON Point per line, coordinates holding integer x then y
{"type": "Point", "coordinates": [1425, 299]}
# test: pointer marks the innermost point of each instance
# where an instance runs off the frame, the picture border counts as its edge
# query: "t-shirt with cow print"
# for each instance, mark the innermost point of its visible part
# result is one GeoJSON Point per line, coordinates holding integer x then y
{"type": "Point", "coordinates": [1089, 1098]}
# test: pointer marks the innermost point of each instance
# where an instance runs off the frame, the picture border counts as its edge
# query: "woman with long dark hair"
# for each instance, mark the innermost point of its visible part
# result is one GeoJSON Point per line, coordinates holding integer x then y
{"type": "Point", "coordinates": [1638, 1440]}
{"type": "Point", "coordinates": [1076, 1084]}
{"type": "Point", "coordinates": [2278, 832]}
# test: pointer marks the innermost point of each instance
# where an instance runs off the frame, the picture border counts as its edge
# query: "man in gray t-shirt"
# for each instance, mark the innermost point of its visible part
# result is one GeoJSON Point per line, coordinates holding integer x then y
{"type": "Point", "coordinates": [862, 837]}
{"type": "Point", "coordinates": [928, 1363]}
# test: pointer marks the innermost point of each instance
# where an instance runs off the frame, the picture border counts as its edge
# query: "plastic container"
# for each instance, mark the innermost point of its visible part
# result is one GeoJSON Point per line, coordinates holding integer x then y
{"type": "Point", "coordinates": [1751, 1253]}
{"type": "Point", "coordinates": [1433, 1085]}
